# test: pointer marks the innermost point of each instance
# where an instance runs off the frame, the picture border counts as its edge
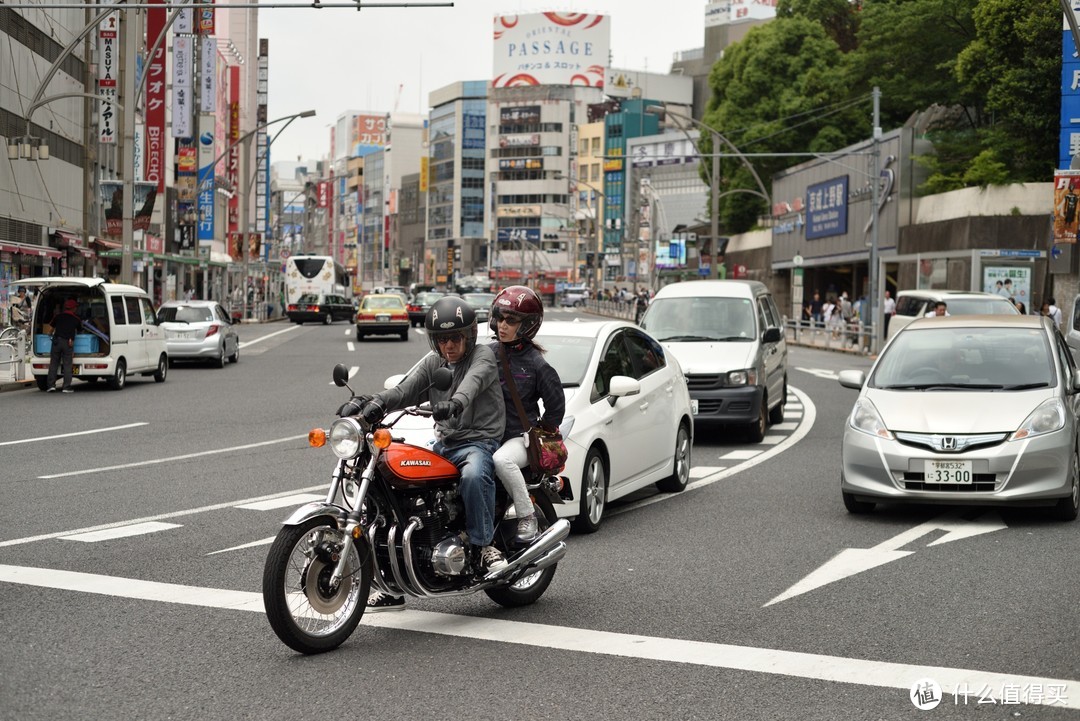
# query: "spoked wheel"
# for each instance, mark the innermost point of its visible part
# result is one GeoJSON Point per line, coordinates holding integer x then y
{"type": "Point", "coordinates": [529, 588]}
{"type": "Point", "coordinates": [306, 611]}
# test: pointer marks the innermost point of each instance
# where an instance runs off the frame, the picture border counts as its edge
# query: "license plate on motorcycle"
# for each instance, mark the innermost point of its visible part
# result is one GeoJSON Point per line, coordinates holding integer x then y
{"type": "Point", "coordinates": [948, 472]}
{"type": "Point", "coordinates": [382, 318]}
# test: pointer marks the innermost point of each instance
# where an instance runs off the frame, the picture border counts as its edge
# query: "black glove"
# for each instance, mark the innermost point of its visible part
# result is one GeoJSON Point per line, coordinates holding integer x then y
{"type": "Point", "coordinates": [353, 406]}
{"type": "Point", "coordinates": [444, 409]}
{"type": "Point", "coordinates": [373, 411]}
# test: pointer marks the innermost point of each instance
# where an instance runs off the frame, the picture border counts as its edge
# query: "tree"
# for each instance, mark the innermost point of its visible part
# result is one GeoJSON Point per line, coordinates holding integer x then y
{"type": "Point", "coordinates": [781, 89]}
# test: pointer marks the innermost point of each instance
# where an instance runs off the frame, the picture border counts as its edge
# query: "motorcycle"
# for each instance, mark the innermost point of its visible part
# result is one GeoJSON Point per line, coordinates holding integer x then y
{"type": "Point", "coordinates": [393, 519]}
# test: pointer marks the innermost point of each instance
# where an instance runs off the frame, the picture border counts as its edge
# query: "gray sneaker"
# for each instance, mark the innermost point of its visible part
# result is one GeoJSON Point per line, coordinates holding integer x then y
{"type": "Point", "coordinates": [492, 559]}
{"type": "Point", "coordinates": [527, 527]}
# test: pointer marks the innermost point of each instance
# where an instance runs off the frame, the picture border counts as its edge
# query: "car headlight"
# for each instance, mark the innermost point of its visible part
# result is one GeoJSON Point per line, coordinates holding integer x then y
{"type": "Point", "coordinates": [746, 377]}
{"type": "Point", "coordinates": [1047, 418]}
{"type": "Point", "coordinates": [865, 418]}
{"type": "Point", "coordinates": [346, 437]}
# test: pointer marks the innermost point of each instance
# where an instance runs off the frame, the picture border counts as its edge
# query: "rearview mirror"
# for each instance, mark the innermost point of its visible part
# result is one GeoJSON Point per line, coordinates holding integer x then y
{"type": "Point", "coordinates": [771, 335]}
{"type": "Point", "coordinates": [442, 378]}
{"type": "Point", "coordinates": [852, 379]}
{"type": "Point", "coordinates": [341, 376]}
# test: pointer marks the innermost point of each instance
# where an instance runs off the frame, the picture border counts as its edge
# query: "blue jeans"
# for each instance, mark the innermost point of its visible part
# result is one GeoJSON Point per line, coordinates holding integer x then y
{"type": "Point", "coordinates": [473, 461]}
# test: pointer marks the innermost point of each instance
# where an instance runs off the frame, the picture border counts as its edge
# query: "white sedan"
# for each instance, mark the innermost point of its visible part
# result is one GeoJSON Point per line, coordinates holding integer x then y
{"type": "Point", "coordinates": [627, 424]}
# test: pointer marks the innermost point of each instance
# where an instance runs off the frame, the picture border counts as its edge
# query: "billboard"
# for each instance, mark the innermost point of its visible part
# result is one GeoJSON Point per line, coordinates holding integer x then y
{"type": "Point", "coordinates": [551, 48]}
{"type": "Point", "coordinates": [827, 208]}
{"type": "Point", "coordinates": [1066, 205]}
{"type": "Point", "coordinates": [368, 134]}
{"type": "Point", "coordinates": [734, 11]}
{"type": "Point", "coordinates": [112, 200]}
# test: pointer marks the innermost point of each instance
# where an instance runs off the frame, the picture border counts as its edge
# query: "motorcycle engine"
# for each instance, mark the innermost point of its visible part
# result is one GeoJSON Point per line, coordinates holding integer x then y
{"type": "Point", "coordinates": [438, 538]}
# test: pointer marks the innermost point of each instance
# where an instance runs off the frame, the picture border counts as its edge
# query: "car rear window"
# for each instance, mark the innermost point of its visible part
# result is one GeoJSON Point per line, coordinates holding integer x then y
{"type": "Point", "coordinates": [184, 314]}
{"type": "Point", "coordinates": [308, 299]}
{"type": "Point", "coordinates": [390, 302]}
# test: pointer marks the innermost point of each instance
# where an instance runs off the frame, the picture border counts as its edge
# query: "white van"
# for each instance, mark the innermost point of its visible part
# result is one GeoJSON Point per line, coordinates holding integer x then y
{"type": "Point", "coordinates": [120, 333]}
{"type": "Point", "coordinates": [728, 337]}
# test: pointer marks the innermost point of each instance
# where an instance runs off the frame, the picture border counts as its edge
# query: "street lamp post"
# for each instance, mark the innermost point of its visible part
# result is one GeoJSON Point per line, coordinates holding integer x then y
{"type": "Point", "coordinates": [245, 140]}
{"type": "Point", "coordinates": [597, 236]}
{"type": "Point", "coordinates": [714, 178]}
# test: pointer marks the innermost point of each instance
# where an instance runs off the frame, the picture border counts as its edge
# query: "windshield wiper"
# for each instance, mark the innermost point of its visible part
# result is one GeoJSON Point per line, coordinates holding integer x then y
{"type": "Point", "coordinates": [927, 386]}
{"type": "Point", "coordinates": [686, 338]}
{"type": "Point", "coordinates": [1026, 386]}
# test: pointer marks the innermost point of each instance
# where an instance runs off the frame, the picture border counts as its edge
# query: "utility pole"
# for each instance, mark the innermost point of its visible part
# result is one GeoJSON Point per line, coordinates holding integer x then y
{"type": "Point", "coordinates": [130, 26]}
{"type": "Point", "coordinates": [875, 185]}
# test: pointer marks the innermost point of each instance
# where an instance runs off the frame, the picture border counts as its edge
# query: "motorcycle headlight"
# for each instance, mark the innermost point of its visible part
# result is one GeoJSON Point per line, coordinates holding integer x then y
{"type": "Point", "coordinates": [346, 438]}
{"type": "Point", "coordinates": [1047, 418]}
{"type": "Point", "coordinates": [865, 418]}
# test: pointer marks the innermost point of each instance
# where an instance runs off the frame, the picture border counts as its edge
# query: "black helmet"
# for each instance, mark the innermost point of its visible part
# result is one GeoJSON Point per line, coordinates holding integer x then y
{"type": "Point", "coordinates": [449, 315]}
{"type": "Point", "coordinates": [522, 302]}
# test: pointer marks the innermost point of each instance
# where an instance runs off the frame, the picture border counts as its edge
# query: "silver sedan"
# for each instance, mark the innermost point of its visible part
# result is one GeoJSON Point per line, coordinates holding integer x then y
{"type": "Point", "coordinates": [199, 330]}
{"type": "Point", "coordinates": [966, 410]}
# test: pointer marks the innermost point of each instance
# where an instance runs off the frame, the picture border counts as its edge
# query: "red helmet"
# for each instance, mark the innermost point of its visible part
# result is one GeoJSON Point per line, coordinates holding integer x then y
{"type": "Point", "coordinates": [521, 302]}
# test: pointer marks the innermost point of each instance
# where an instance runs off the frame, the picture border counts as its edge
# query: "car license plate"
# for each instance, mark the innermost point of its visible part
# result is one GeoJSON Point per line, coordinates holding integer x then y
{"type": "Point", "coordinates": [382, 318]}
{"type": "Point", "coordinates": [693, 406]}
{"type": "Point", "coordinates": [948, 471]}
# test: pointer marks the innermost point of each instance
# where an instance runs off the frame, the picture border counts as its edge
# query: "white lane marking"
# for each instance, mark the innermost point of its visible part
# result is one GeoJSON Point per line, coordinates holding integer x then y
{"type": "Point", "coordinates": [851, 561]}
{"type": "Point", "coordinates": [247, 343]}
{"type": "Point", "coordinates": [263, 542]}
{"type": "Point", "coordinates": [772, 440]}
{"type": "Point", "coordinates": [75, 433]}
{"type": "Point", "coordinates": [159, 517]}
{"type": "Point", "coordinates": [155, 461]}
{"type": "Point", "coordinates": [348, 331]}
{"type": "Point", "coordinates": [135, 529]}
{"type": "Point", "coordinates": [725, 472]}
{"type": "Point", "coordinates": [739, 455]}
{"type": "Point", "coordinates": [819, 372]}
{"type": "Point", "coordinates": [702, 471]}
{"type": "Point", "coordinates": [351, 347]}
{"type": "Point", "coordinates": [784, 426]}
{"type": "Point", "coordinates": [298, 499]}
{"type": "Point", "coordinates": [860, 672]}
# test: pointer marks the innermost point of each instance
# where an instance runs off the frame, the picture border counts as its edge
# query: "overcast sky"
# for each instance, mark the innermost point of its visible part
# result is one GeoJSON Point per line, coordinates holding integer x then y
{"type": "Point", "coordinates": [335, 60]}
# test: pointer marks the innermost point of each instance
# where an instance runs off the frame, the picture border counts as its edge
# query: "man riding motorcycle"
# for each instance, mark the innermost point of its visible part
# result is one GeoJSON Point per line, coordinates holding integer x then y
{"type": "Point", "coordinates": [469, 421]}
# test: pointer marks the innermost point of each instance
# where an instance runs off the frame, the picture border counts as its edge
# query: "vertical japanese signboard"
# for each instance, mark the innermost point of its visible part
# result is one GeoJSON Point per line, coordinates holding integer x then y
{"type": "Point", "coordinates": [207, 154]}
{"type": "Point", "coordinates": [155, 98]}
{"type": "Point", "coordinates": [262, 207]}
{"type": "Point", "coordinates": [234, 150]}
{"type": "Point", "coordinates": [206, 19]}
{"type": "Point", "coordinates": [183, 86]}
{"type": "Point", "coordinates": [208, 76]}
{"type": "Point", "coordinates": [107, 73]}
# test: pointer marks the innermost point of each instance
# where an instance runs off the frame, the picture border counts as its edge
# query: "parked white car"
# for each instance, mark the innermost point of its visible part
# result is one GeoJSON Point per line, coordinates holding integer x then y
{"type": "Point", "coordinates": [628, 423]}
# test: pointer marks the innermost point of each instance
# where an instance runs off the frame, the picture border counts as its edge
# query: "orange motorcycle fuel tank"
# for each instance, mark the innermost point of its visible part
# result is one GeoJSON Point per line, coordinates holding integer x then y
{"type": "Point", "coordinates": [410, 467]}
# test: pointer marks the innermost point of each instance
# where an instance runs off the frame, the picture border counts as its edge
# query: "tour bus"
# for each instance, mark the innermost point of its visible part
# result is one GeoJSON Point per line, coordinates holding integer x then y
{"type": "Point", "coordinates": [319, 274]}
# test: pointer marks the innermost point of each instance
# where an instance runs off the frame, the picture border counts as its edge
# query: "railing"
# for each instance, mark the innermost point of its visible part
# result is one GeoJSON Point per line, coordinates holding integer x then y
{"type": "Point", "coordinates": [12, 354]}
{"type": "Point", "coordinates": [852, 336]}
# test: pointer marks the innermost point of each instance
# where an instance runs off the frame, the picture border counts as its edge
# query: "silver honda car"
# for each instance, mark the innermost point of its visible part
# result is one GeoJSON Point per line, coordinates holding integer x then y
{"type": "Point", "coordinates": [966, 410]}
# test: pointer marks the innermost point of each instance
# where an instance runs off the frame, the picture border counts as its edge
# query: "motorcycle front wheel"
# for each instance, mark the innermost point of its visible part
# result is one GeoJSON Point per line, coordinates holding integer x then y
{"type": "Point", "coordinates": [529, 588]}
{"type": "Point", "coordinates": [307, 612]}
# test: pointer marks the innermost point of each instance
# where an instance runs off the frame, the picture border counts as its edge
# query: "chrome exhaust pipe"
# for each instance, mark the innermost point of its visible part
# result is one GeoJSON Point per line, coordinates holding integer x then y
{"type": "Point", "coordinates": [548, 559]}
{"type": "Point", "coordinates": [544, 543]}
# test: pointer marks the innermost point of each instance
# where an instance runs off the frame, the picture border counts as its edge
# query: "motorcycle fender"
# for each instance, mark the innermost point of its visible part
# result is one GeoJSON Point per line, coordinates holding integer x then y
{"type": "Point", "coordinates": [314, 509]}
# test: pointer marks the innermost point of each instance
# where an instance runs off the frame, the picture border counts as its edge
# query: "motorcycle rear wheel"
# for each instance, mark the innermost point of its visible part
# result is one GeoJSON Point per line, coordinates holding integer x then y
{"type": "Point", "coordinates": [306, 613]}
{"type": "Point", "coordinates": [529, 588]}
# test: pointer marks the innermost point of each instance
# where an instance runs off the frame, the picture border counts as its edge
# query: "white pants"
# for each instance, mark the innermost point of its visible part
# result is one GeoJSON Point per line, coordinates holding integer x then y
{"type": "Point", "coordinates": [511, 457]}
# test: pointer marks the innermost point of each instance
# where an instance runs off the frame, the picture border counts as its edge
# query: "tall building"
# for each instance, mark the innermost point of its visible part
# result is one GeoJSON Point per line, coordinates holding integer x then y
{"type": "Point", "coordinates": [456, 238]}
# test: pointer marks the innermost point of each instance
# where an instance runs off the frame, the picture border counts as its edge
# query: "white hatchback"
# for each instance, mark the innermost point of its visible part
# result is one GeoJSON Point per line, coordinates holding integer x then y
{"type": "Point", "coordinates": [627, 424]}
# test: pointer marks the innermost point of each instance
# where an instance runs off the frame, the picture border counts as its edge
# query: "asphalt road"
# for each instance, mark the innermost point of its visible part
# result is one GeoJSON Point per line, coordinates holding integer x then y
{"type": "Point", "coordinates": [135, 525]}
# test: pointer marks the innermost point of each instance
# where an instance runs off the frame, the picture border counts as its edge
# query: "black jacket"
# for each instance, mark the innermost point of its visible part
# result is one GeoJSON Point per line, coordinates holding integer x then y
{"type": "Point", "coordinates": [535, 380]}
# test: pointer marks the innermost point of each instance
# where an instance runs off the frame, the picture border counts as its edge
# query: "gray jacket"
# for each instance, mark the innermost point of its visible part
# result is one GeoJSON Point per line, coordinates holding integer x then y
{"type": "Point", "coordinates": [476, 387]}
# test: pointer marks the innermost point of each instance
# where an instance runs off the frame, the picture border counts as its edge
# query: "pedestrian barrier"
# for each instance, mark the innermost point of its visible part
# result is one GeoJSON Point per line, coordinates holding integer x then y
{"type": "Point", "coordinates": [853, 337]}
{"type": "Point", "coordinates": [12, 355]}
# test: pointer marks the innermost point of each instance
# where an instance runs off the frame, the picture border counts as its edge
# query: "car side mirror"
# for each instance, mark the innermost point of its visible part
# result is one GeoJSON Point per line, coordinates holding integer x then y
{"type": "Point", "coordinates": [622, 386]}
{"type": "Point", "coordinates": [771, 335]}
{"type": "Point", "coordinates": [852, 379]}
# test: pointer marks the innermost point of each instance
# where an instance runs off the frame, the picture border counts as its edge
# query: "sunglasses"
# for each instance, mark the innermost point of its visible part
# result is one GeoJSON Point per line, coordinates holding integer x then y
{"type": "Point", "coordinates": [452, 338]}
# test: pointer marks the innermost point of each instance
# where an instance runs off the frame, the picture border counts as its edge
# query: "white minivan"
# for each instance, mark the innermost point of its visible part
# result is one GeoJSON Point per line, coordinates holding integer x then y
{"type": "Point", "coordinates": [728, 337]}
{"type": "Point", "coordinates": [120, 333]}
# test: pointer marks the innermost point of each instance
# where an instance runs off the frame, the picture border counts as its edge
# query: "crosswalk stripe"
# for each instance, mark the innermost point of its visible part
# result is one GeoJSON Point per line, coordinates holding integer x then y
{"type": "Point", "coordinates": [272, 503]}
{"type": "Point", "coordinates": [135, 529]}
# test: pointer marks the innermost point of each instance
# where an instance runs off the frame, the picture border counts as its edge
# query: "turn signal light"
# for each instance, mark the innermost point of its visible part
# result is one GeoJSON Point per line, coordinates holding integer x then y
{"type": "Point", "coordinates": [316, 438]}
{"type": "Point", "coordinates": [381, 438]}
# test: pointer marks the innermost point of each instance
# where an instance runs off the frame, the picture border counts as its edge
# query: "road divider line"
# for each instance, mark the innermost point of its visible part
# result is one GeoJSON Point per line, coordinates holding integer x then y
{"type": "Point", "coordinates": [270, 504]}
{"type": "Point", "coordinates": [725, 472]}
{"type": "Point", "coordinates": [108, 534]}
{"type": "Point", "coordinates": [74, 433]}
{"type": "Point", "coordinates": [772, 662]}
{"type": "Point", "coordinates": [253, 544]}
{"type": "Point", "coordinates": [170, 459]}
{"type": "Point", "coordinates": [159, 517]}
{"type": "Point", "coordinates": [268, 336]}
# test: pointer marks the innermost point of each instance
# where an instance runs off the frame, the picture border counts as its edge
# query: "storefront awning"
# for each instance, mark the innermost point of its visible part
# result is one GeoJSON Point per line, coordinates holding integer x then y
{"type": "Point", "coordinates": [38, 250]}
{"type": "Point", "coordinates": [168, 258]}
{"type": "Point", "coordinates": [109, 244]}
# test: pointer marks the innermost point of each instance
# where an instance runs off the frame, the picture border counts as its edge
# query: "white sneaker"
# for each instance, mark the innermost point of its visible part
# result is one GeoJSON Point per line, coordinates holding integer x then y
{"type": "Point", "coordinates": [527, 527]}
{"type": "Point", "coordinates": [492, 559]}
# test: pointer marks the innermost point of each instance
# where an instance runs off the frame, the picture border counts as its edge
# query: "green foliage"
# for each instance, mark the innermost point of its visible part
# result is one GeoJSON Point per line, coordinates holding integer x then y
{"type": "Point", "coordinates": [801, 83]}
